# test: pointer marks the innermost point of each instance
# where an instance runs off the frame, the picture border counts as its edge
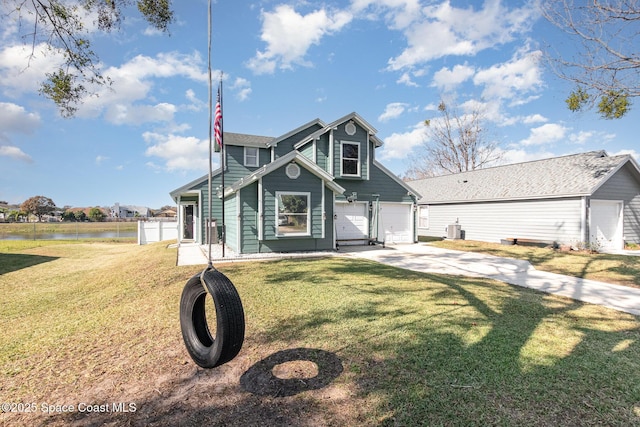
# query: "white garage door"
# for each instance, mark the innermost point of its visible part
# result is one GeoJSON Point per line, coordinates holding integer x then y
{"type": "Point", "coordinates": [606, 224]}
{"type": "Point", "coordinates": [396, 223]}
{"type": "Point", "coordinates": [352, 225]}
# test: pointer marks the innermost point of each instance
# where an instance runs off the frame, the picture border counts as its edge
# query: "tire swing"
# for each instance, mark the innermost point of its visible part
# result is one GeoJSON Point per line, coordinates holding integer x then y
{"type": "Point", "coordinates": [209, 351]}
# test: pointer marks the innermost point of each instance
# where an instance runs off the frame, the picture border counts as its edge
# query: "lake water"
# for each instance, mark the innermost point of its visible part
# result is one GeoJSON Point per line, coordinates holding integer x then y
{"type": "Point", "coordinates": [68, 236]}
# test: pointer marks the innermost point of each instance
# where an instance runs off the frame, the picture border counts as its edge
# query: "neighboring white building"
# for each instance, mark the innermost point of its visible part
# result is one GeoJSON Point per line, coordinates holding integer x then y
{"type": "Point", "coordinates": [128, 211]}
{"type": "Point", "coordinates": [583, 198]}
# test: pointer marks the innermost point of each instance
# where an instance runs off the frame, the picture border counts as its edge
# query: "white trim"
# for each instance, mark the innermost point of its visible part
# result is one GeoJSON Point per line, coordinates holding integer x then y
{"type": "Point", "coordinates": [309, 216]}
{"type": "Point", "coordinates": [322, 209]}
{"type": "Point", "coordinates": [238, 225]}
{"type": "Point", "coordinates": [368, 154]}
{"type": "Point", "coordinates": [342, 159]}
{"type": "Point", "coordinates": [331, 150]}
{"type": "Point", "coordinates": [260, 212]}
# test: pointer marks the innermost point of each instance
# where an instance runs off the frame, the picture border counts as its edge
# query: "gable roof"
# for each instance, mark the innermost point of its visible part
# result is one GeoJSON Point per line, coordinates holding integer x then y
{"type": "Point", "coordinates": [574, 175]}
{"type": "Point", "coordinates": [326, 128]}
{"type": "Point", "coordinates": [293, 156]}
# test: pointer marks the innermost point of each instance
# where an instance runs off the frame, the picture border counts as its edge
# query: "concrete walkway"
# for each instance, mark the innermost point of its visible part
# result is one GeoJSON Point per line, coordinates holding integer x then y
{"type": "Point", "coordinates": [429, 259]}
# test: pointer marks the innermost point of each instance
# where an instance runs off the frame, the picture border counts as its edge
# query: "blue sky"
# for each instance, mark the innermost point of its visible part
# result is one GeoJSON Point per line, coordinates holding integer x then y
{"type": "Point", "coordinates": [285, 64]}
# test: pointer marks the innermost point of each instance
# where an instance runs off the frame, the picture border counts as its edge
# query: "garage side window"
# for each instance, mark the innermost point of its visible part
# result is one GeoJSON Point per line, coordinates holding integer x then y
{"type": "Point", "coordinates": [293, 214]}
{"type": "Point", "coordinates": [423, 217]}
{"type": "Point", "coordinates": [350, 152]}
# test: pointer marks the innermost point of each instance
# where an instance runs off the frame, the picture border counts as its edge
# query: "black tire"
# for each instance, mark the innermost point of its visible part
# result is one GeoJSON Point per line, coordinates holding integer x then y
{"type": "Point", "coordinates": [209, 351]}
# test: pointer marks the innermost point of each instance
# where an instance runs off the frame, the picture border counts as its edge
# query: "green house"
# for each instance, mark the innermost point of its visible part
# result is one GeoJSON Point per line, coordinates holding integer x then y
{"type": "Point", "coordinates": [314, 188]}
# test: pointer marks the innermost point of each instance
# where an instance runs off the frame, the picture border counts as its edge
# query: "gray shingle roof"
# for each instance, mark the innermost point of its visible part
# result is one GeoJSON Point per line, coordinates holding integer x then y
{"type": "Point", "coordinates": [245, 140]}
{"type": "Point", "coordinates": [573, 175]}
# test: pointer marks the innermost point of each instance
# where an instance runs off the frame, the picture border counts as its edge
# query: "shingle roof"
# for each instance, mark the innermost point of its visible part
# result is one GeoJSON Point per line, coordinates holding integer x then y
{"type": "Point", "coordinates": [245, 140]}
{"type": "Point", "coordinates": [573, 175]}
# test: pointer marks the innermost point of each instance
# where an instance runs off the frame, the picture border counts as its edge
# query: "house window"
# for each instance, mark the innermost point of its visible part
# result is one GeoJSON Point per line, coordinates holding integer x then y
{"type": "Point", "coordinates": [293, 214]}
{"type": "Point", "coordinates": [251, 157]}
{"type": "Point", "coordinates": [423, 217]}
{"type": "Point", "coordinates": [350, 159]}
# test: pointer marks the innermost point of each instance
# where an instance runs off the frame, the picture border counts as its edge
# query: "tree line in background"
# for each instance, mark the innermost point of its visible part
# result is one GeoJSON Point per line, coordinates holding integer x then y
{"type": "Point", "coordinates": [39, 207]}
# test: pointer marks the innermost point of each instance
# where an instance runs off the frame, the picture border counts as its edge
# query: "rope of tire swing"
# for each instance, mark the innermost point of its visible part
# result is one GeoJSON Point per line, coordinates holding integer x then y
{"type": "Point", "coordinates": [206, 350]}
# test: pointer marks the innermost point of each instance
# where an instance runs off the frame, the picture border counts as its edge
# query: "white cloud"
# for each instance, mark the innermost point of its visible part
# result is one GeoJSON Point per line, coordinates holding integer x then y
{"type": "Point", "coordinates": [444, 30]}
{"type": "Point", "coordinates": [508, 80]}
{"type": "Point", "coordinates": [545, 134]}
{"type": "Point", "coordinates": [400, 145]}
{"type": "Point", "coordinates": [520, 156]}
{"type": "Point", "coordinates": [124, 101]}
{"type": "Point", "coordinates": [393, 111]}
{"type": "Point", "coordinates": [582, 137]}
{"type": "Point", "coordinates": [242, 88]}
{"type": "Point", "coordinates": [100, 159]}
{"type": "Point", "coordinates": [14, 153]}
{"type": "Point", "coordinates": [447, 79]}
{"type": "Point", "coordinates": [289, 35]}
{"type": "Point", "coordinates": [23, 67]}
{"type": "Point", "coordinates": [15, 119]}
{"type": "Point", "coordinates": [405, 79]}
{"type": "Point", "coordinates": [534, 118]}
{"type": "Point", "coordinates": [180, 153]}
{"type": "Point", "coordinates": [136, 114]}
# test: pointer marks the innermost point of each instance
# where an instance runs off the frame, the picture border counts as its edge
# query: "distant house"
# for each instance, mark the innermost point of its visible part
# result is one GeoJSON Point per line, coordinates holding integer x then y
{"type": "Point", "coordinates": [313, 188]}
{"type": "Point", "coordinates": [128, 211]}
{"type": "Point", "coordinates": [583, 198]}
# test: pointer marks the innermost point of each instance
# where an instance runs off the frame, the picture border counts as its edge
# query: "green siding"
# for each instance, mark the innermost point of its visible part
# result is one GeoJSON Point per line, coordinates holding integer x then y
{"type": "Point", "coordinates": [306, 182]}
{"type": "Point", "coordinates": [379, 183]}
{"type": "Point", "coordinates": [249, 219]}
{"type": "Point", "coordinates": [285, 146]}
{"type": "Point", "coordinates": [361, 136]}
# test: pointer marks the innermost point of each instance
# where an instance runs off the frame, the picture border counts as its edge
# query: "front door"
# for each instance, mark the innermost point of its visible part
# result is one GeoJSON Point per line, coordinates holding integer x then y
{"type": "Point", "coordinates": [187, 232]}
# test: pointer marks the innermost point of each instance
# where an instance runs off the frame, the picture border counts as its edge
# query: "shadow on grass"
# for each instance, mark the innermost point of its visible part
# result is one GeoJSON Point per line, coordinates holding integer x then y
{"type": "Point", "coordinates": [14, 262]}
{"type": "Point", "coordinates": [445, 354]}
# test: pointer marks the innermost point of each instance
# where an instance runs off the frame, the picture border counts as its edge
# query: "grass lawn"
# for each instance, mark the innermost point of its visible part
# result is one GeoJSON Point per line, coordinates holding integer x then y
{"type": "Point", "coordinates": [609, 268]}
{"type": "Point", "coordinates": [97, 323]}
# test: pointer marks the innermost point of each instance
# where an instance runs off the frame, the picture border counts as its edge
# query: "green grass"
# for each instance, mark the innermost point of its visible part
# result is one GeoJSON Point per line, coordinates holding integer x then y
{"type": "Point", "coordinates": [609, 268]}
{"type": "Point", "coordinates": [66, 227]}
{"type": "Point", "coordinates": [100, 320]}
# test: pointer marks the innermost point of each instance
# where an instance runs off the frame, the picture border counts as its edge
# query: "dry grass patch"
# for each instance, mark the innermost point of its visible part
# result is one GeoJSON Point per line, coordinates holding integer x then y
{"type": "Point", "coordinates": [618, 269]}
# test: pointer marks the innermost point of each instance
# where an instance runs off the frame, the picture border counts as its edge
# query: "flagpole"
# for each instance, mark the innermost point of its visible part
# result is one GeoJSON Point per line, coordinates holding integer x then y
{"type": "Point", "coordinates": [222, 153]}
{"type": "Point", "coordinates": [209, 216]}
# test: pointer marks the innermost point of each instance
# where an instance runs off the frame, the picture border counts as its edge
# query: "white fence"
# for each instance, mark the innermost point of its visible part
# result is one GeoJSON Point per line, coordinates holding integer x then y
{"type": "Point", "coordinates": [156, 231]}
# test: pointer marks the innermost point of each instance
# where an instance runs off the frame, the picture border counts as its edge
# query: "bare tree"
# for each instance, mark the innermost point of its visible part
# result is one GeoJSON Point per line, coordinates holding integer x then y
{"type": "Point", "coordinates": [455, 143]}
{"type": "Point", "coordinates": [606, 65]}
{"type": "Point", "coordinates": [62, 25]}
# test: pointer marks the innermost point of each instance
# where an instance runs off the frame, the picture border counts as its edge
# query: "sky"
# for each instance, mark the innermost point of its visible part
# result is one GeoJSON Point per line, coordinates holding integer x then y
{"type": "Point", "coordinates": [284, 64]}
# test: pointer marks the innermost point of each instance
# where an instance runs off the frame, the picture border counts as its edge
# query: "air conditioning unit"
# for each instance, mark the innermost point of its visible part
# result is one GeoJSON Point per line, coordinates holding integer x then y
{"type": "Point", "coordinates": [453, 231]}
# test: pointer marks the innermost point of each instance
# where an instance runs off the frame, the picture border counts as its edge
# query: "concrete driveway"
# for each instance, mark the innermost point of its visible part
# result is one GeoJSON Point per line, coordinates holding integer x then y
{"type": "Point", "coordinates": [429, 259]}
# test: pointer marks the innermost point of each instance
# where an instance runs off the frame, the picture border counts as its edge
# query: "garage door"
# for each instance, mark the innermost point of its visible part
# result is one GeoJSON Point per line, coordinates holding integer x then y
{"type": "Point", "coordinates": [606, 224]}
{"type": "Point", "coordinates": [352, 226]}
{"type": "Point", "coordinates": [396, 223]}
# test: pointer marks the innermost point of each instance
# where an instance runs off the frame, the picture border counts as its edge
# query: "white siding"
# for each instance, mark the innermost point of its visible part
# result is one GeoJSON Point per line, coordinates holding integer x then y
{"type": "Point", "coordinates": [556, 220]}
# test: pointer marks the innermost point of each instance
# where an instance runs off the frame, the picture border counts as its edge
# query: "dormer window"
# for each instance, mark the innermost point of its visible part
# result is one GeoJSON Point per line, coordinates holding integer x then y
{"type": "Point", "coordinates": [251, 157]}
{"type": "Point", "coordinates": [350, 158]}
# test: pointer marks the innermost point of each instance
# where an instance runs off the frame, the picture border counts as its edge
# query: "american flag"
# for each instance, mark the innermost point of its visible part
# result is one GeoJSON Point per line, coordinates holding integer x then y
{"type": "Point", "coordinates": [217, 122]}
